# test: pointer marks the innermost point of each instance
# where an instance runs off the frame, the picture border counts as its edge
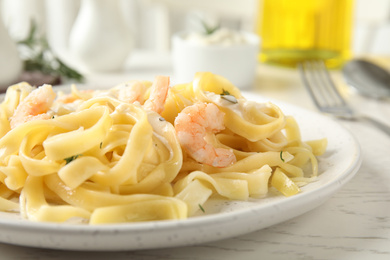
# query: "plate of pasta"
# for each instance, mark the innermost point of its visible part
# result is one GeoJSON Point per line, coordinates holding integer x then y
{"type": "Point", "coordinates": [145, 165]}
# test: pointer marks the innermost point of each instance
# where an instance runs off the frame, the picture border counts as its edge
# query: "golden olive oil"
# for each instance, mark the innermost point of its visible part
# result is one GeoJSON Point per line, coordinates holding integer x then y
{"type": "Point", "coordinates": [295, 30]}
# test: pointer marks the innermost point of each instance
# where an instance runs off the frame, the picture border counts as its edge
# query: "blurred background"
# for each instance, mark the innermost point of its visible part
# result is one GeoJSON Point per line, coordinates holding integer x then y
{"type": "Point", "coordinates": [151, 22]}
{"type": "Point", "coordinates": [147, 25]}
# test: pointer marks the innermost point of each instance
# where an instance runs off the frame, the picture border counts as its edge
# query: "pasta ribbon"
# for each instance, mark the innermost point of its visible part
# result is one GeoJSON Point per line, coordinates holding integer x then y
{"type": "Point", "coordinates": [35, 207]}
{"type": "Point", "coordinates": [149, 209]}
{"type": "Point", "coordinates": [103, 156]}
{"type": "Point", "coordinates": [92, 127]}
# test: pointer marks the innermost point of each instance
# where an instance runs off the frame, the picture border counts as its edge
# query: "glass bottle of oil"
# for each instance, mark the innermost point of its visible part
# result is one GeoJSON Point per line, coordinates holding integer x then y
{"type": "Point", "coordinates": [295, 30]}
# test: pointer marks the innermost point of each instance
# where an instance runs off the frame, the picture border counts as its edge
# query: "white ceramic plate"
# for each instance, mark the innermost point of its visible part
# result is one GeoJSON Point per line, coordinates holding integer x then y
{"type": "Point", "coordinates": [224, 219]}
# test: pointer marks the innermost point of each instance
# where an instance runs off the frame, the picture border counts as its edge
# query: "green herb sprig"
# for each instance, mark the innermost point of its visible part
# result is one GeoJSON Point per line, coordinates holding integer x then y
{"type": "Point", "coordinates": [208, 29]}
{"type": "Point", "coordinates": [228, 97]}
{"type": "Point", "coordinates": [281, 156]}
{"type": "Point", "coordinates": [71, 158]}
{"type": "Point", "coordinates": [37, 56]}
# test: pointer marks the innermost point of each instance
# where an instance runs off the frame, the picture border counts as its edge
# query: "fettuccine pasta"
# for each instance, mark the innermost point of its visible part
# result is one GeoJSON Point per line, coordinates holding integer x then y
{"type": "Point", "coordinates": [144, 151]}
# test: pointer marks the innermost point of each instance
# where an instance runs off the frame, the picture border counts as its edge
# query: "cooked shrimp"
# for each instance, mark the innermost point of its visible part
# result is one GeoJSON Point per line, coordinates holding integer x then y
{"type": "Point", "coordinates": [158, 94]}
{"type": "Point", "coordinates": [75, 95]}
{"type": "Point", "coordinates": [192, 126]}
{"type": "Point", "coordinates": [131, 91]}
{"type": "Point", "coordinates": [34, 106]}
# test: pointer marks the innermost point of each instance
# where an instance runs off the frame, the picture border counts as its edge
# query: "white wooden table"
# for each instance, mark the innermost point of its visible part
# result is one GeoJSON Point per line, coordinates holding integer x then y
{"type": "Point", "coordinates": [353, 224]}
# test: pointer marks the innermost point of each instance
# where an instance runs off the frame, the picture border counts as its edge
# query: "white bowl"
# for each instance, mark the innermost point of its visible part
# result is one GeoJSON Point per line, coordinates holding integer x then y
{"type": "Point", "coordinates": [237, 61]}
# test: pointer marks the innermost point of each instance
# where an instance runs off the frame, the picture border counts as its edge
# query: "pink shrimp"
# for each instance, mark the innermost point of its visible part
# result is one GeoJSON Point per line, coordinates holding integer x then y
{"type": "Point", "coordinates": [70, 98]}
{"type": "Point", "coordinates": [131, 91]}
{"type": "Point", "coordinates": [193, 124]}
{"type": "Point", "coordinates": [34, 106]}
{"type": "Point", "coordinates": [158, 94]}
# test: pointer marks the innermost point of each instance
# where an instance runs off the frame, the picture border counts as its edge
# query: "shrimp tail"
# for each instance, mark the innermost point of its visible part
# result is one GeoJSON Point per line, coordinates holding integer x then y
{"type": "Point", "coordinates": [158, 94]}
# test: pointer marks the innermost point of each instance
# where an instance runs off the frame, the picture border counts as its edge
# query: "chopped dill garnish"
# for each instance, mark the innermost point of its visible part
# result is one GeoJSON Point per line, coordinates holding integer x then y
{"type": "Point", "coordinates": [281, 156]}
{"type": "Point", "coordinates": [225, 92]}
{"type": "Point", "coordinates": [201, 208]}
{"type": "Point", "coordinates": [161, 119]}
{"type": "Point", "coordinates": [101, 145]}
{"type": "Point", "coordinates": [71, 158]}
{"type": "Point", "coordinates": [228, 97]}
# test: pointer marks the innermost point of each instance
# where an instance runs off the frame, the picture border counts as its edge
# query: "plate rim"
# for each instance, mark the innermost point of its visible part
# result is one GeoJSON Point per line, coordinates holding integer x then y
{"type": "Point", "coordinates": [328, 189]}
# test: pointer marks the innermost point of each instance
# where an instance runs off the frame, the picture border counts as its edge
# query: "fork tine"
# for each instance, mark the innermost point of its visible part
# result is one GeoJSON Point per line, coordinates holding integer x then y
{"type": "Point", "coordinates": [321, 88]}
{"type": "Point", "coordinates": [332, 89]}
{"type": "Point", "coordinates": [326, 97]}
{"type": "Point", "coordinates": [316, 83]}
{"type": "Point", "coordinates": [305, 78]}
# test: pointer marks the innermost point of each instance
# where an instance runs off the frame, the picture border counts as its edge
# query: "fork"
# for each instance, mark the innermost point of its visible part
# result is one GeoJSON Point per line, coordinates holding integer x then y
{"type": "Point", "coordinates": [326, 96]}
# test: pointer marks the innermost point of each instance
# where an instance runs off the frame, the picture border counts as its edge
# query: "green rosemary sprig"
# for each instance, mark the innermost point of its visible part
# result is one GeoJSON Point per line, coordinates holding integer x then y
{"type": "Point", "coordinates": [209, 29]}
{"type": "Point", "coordinates": [38, 56]}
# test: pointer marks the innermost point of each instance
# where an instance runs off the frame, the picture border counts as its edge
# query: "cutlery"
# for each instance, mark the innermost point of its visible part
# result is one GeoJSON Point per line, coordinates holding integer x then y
{"type": "Point", "coordinates": [326, 96]}
{"type": "Point", "coordinates": [367, 78]}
